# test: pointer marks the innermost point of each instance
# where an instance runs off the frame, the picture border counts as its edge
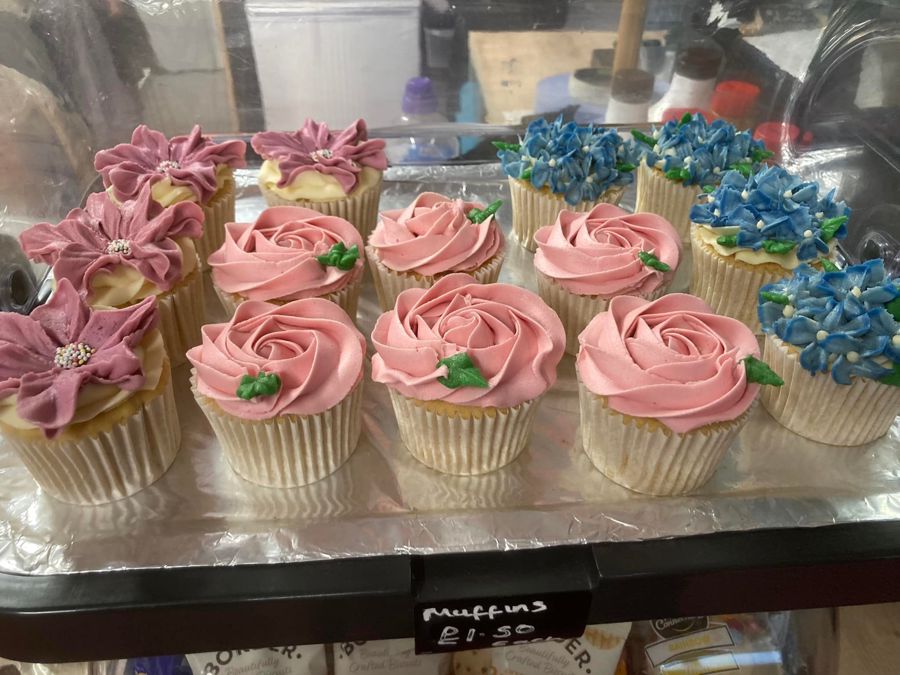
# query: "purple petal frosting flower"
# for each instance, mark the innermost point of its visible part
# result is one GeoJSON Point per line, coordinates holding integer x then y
{"type": "Point", "coordinates": [315, 148]}
{"type": "Point", "coordinates": [46, 358]}
{"type": "Point", "coordinates": [139, 234]}
{"type": "Point", "coordinates": [190, 161]}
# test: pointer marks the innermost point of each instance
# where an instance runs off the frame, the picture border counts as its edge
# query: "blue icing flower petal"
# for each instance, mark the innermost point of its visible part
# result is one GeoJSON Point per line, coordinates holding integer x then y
{"type": "Point", "coordinates": [840, 343]}
{"type": "Point", "coordinates": [814, 359]}
{"type": "Point", "coordinates": [840, 370]}
{"type": "Point", "coordinates": [879, 294]}
{"type": "Point", "coordinates": [799, 330]}
{"type": "Point", "coordinates": [769, 312]}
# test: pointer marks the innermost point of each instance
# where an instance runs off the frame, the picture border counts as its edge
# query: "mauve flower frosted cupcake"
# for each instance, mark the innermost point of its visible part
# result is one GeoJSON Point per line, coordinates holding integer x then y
{"type": "Point", "coordinates": [432, 237]}
{"type": "Point", "coordinates": [119, 254]}
{"type": "Point", "coordinates": [585, 259]}
{"type": "Point", "coordinates": [289, 253]}
{"type": "Point", "coordinates": [86, 397]}
{"type": "Point", "coordinates": [186, 168]}
{"type": "Point", "coordinates": [281, 386]}
{"type": "Point", "coordinates": [338, 174]}
{"type": "Point", "coordinates": [466, 365]}
{"type": "Point", "coordinates": [665, 386]}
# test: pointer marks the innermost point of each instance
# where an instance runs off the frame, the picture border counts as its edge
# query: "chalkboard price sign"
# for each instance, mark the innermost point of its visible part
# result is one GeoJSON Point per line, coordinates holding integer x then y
{"type": "Point", "coordinates": [499, 622]}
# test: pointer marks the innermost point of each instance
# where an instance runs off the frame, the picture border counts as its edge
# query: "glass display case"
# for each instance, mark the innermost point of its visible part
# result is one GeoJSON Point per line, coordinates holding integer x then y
{"type": "Point", "coordinates": [203, 560]}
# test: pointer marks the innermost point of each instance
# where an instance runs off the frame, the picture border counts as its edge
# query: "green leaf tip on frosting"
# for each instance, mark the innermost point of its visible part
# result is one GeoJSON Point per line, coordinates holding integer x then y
{"type": "Point", "coordinates": [759, 372]}
{"type": "Point", "coordinates": [828, 266]}
{"type": "Point", "coordinates": [727, 240]}
{"type": "Point", "coordinates": [780, 298]}
{"type": "Point", "coordinates": [479, 216]}
{"type": "Point", "coordinates": [643, 138]}
{"type": "Point", "coordinates": [625, 167]}
{"type": "Point", "coordinates": [831, 226]}
{"type": "Point", "coordinates": [758, 155]}
{"type": "Point", "coordinates": [687, 117]}
{"type": "Point", "coordinates": [778, 245]}
{"type": "Point", "coordinates": [678, 174]}
{"type": "Point", "coordinates": [651, 260]}
{"type": "Point", "coordinates": [500, 145]}
{"type": "Point", "coordinates": [461, 372]}
{"type": "Point", "coordinates": [744, 168]}
{"type": "Point", "coordinates": [340, 256]}
{"type": "Point", "coordinates": [893, 308]}
{"type": "Point", "coordinates": [264, 384]}
{"type": "Point", "coordinates": [526, 174]}
{"type": "Point", "coordinates": [893, 377]}
{"type": "Point", "coordinates": [709, 188]}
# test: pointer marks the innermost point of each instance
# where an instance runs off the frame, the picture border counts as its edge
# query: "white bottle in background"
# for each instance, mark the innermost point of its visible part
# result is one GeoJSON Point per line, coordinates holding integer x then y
{"type": "Point", "coordinates": [420, 106]}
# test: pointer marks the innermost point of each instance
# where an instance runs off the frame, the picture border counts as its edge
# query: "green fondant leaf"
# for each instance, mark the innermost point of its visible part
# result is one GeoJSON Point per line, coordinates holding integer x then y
{"type": "Point", "coordinates": [651, 260]}
{"type": "Point", "coordinates": [758, 155]}
{"type": "Point", "coordinates": [892, 378]}
{"type": "Point", "coordinates": [727, 240]}
{"type": "Point", "coordinates": [893, 308]}
{"type": "Point", "coordinates": [678, 174]}
{"type": "Point", "coordinates": [264, 384]}
{"type": "Point", "coordinates": [770, 296]}
{"type": "Point", "coordinates": [685, 119]}
{"type": "Point", "coordinates": [477, 216]}
{"type": "Point", "coordinates": [625, 167]}
{"type": "Point", "coordinates": [778, 246]}
{"type": "Point", "coordinates": [643, 138]}
{"type": "Point", "coordinates": [759, 372]}
{"type": "Point", "coordinates": [709, 188]}
{"type": "Point", "coordinates": [828, 266]}
{"type": "Point", "coordinates": [461, 372]}
{"type": "Point", "coordinates": [526, 174]}
{"type": "Point", "coordinates": [500, 145]}
{"type": "Point", "coordinates": [831, 226]}
{"type": "Point", "coordinates": [340, 256]}
{"type": "Point", "coordinates": [745, 168]}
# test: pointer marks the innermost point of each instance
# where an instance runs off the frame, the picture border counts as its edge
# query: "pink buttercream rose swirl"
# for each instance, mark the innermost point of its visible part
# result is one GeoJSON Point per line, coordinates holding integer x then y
{"type": "Point", "coordinates": [105, 235]}
{"type": "Point", "coordinates": [671, 359]}
{"type": "Point", "coordinates": [433, 235]}
{"type": "Point", "coordinates": [275, 258]}
{"type": "Point", "coordinates": [190, 161]}
{"type": "Point", "coordinates": [510, 335]}
{"type": "Point", "coordinates": [597, 253]}
{"type": "Point", "coordinates": [311, 345]}
{"type": "Point", "coordinates": [314, 147]}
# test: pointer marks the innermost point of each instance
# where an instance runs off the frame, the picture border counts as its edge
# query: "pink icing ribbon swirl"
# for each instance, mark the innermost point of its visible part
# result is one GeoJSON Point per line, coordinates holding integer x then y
{"type": "Point", "coordinates": [596, 253]}
{"type": "Point", "coordinates": [312, 345]}
{"type": "Point", "coordinates": [314, 147]}
{"type": "Point", "coordinates": [433, 235]}
{"type": "Point", "coordinates": [671, 359]}
{"type": "Point", "coordinates": [511, 336]}
{"type": "Point", "coordinates": [189, 161]}
{"type": "Point", "coordinates": [275, 257]}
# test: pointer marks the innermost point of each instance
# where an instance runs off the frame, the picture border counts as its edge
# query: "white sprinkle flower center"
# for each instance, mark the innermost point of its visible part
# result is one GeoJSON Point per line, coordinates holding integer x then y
{"type": "Point", "coordinates": [807, 233]}
{"type": "Point", "coordinates": [167, 164]}
{"type": "Point", "coordinates": [788, 311]}
{"type": "Point", "coordinates": [895, 340]}
{"type": "Point", "coordinates": [821, 335]}
{"type": "Point", "coordinates": [324, 153]}
{"type": "Point", "coordinates": [73, 355]}
{"type": "Point", "coordinates": [856, 291]}
{"type": "Point", "coordinates": [853, 357]}
{"type": "Point", "coordinates": [745, 195]}
{"type": "Point", "coordinates": [120, 246]}
{"type": "Point", "coordinates": [788, 194]}
{"type": "Point", "coordinates": [760, 224]}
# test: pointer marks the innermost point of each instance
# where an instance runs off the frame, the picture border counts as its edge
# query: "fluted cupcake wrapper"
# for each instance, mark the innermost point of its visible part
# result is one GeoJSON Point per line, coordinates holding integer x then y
{"type": "Point", "coordinates": [111, 464]}
{"type": "Point", "coordinates": [389, 284]}
{"type": "Point", "coordinates": [646, 456]}
{"type": "Point", "coordinates": [532, 209]}
{"type": "Point", "coordinates": [667, 198]}
{"type": "Point", "coordinates": [181, 315]}
{"type": "Point", "coordinates": [360, 208]}
{"type": "Point", "coordinates": [219, 211]}
{"type": "Point", "coordinates": [466, 441]}
{"type": "Point", "coordinates": [576, 311]}
{"type": "Point", "coordinates": [287, 450]}
{"type": "Point", "coordinates": [818, 408]}
{"type": "Point", "coordinates": [346, 298]}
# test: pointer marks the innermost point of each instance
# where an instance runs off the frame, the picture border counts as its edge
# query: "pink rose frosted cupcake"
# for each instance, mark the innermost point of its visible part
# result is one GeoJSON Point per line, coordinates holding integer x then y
{"type": "Point", "coordinates": [281, 386]}
{"type": "Point", "coordinates": [665, 387]}
{"type": "Point", "coordinates": [466, 365]}
{"type": "Point", "coordinates": [289, 253]}
{"type": "Point", "coordinates": [186, 168]}
{"type": "Point", "coordinates": [119, 254]}
{"type": "Point", "coordinates": [86, 397]}
{"type": "Point", "coordinates": [432, 237]}
{"type": "Point", "coordinates": [585, 259]}
{"type": "Point", "coordinates": [338, 174]}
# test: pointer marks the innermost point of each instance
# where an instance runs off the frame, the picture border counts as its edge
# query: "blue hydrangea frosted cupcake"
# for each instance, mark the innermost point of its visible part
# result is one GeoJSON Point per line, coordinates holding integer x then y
{"type": "Point", "coordinates": [562, 166]}
{"type": "Point", "coordinates": [834, 338]}
{"type": "Point", "coordinates": [752, 231]}
{"type": "Point", "coordinates": [683, 156]}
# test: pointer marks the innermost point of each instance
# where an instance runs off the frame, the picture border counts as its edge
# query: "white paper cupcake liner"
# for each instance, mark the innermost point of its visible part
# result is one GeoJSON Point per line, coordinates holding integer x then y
{"type": "Point", "coordinates": [532, 209]}
{"type": "Point", "coordinates": [727, 285]}
{"type": "Point", "coordinates": [347, 299]}
{"type": "Point", "coordinates": [181, 315]}
{"type": "Point", "coordinates": [667, 198]}
{"type": "Point", "coordinates": [112, 464]}
{"type": "Point", "coordinates": [219, 211]}
{"type": "Point", "coordinates": [576, 311]}
{"type": "Point", "coordinates": [465, 446]}
{"type": "Point", "coordinates": [818, 408]}
{"type": "Point", "coordinates": [651, 458]}
{"type": "Point", "coordinates": [288, 450]}
{"type": "Point", "coordinates": [361, 209]}
{"type": "Point", "coordinates": [389, 284]}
